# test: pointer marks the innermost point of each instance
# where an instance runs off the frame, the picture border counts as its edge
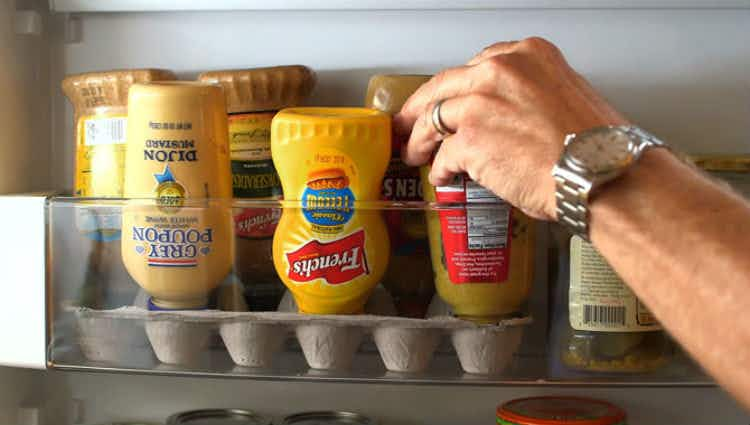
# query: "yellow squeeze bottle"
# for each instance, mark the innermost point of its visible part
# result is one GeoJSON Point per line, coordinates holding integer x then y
{"type": "Point", "coordinates": [326, 251]}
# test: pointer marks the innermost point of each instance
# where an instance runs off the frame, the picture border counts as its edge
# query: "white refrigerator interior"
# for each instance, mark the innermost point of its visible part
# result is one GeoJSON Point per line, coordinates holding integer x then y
{"type": "Point", "coordinates": [680, 70]}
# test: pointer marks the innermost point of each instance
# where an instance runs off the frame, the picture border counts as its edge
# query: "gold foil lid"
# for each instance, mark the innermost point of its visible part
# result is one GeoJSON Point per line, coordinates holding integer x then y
{"type": "Point", "coordinates": [388, 93]}
{"type": "Point", "coordinates": [109, 88]}
{"type": "Point", "coordinates": [263, 89]}
{"type": "Point", "coordinates": [726, 163]}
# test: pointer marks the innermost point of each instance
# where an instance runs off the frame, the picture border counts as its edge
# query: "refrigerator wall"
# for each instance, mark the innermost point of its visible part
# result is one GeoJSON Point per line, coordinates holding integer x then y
{"type": "Point", "coordinates": [680, 73]}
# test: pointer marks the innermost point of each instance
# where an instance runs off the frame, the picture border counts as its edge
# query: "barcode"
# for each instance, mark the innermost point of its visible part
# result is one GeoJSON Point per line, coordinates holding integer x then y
{"type": "Point", "coordinates": [604, 315]}
{"type": "Point", "coordinates": [105, 131]}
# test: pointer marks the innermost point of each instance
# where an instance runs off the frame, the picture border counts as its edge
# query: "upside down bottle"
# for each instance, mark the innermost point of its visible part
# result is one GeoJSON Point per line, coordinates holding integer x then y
{"type": "Point", "coordinates": [176, 229]}
{"type": "Point", "coordinates": [329, 249]}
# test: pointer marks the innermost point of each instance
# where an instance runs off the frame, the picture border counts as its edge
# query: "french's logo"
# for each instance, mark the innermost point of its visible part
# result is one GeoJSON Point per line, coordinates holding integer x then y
{"type": "Point", "coordinates": [336, 262]}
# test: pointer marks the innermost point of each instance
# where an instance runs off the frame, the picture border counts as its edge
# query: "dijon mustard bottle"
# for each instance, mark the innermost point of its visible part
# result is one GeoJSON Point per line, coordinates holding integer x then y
{"type": "Point", "coordinates": [407, 228]}
{"type": "Point", "coordinates": [331, 247]}
{"type": "Point", "coordinates": [177, 229]}
{"type": "Point", "coordinates": [100, 101]}
{"type": "Point", "coordinates": [253, 97]}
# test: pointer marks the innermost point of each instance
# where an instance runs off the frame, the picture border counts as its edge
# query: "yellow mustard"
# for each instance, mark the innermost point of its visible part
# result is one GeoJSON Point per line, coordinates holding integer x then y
{"type": "Point", "coordinates": [482, 253]}
{"type": "Point", "coordinates": [406, 228]}
{"type": "Point", "coordinates": [253, 97]}
{"type": "Point", "coordinates": [327, 251]}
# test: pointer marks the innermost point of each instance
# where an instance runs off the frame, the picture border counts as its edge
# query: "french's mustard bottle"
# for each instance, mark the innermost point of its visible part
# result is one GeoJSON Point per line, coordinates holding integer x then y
{"type": "Point", "coordinates": [407, 228]}
{"type": "Point", "coordinates": [177, 245]}
{"type": "Point", "coordinates": [330, 250]}
{"type": "Point", "coordinates": [253, 97]}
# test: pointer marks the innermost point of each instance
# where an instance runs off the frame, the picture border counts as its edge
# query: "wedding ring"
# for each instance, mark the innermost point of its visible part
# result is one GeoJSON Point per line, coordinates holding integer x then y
{"type": "Point", "coordinates": [437, 121]}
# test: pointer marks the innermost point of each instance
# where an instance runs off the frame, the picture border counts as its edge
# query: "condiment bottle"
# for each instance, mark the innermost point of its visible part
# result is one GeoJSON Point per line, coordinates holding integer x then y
{"type": "Point", "coordinates": [407, 228]}
{"type": "Point", "coordinates": [482, 250]}
{"type": "Point", "coordinates": [329, 249]}
{"type": "Point", "coordinates": [253, 97]}
{"type": "Point", "coordinates": [601, 325]}
{"type": "Point", "coordinates": [733, 169]}
{"type": "Point", "coordinates": [100, 102]}
{"type": "Point", "coordinates": [177, 246]}
{"type": "Point", "coordinates": [556, 410]}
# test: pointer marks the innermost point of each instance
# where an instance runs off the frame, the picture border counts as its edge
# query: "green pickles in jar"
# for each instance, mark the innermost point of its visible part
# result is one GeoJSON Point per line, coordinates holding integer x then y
{"type": "Point", "coordinates": [606, 327]}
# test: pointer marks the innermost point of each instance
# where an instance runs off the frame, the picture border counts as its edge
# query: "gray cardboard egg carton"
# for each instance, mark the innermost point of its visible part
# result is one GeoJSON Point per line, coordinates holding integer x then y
{"type": "Point", "coordinates": [328, 342]}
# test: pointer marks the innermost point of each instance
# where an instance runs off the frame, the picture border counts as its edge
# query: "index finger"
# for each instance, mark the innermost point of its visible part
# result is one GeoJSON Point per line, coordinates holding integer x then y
{"type": "Point", "coordinates": [447, 83]}
{"type": "Point", "coordinates": [499, 48]}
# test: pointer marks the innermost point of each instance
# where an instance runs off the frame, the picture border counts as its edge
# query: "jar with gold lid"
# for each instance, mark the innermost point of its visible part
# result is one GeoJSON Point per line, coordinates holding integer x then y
{"type": "Point", "coordinates": [100, 102]}
{"type": "Point", "coordinates": [100, 107]}
{"type": "Point", "coordinates": [733, 169]}
{"type": "Point", "coordinates": [407, 228]}
{"type": "Point", "coordinates": [253, 97]}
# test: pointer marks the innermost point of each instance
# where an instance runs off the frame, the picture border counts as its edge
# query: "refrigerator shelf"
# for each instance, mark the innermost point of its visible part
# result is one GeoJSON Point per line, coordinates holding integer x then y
{"type": "Point", "coordinates": [99, 318]}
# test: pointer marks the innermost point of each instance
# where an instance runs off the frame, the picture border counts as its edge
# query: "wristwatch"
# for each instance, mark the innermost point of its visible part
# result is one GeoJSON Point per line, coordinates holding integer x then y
{"type": "Point", "coordinates": [589, 160]}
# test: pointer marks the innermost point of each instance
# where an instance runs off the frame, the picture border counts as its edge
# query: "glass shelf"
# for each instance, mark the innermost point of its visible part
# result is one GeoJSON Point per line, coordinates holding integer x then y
{"type": "Point", "coordinates": [101, 319]}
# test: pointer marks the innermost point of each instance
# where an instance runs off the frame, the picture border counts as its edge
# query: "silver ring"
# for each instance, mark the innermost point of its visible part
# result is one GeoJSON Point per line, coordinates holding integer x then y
{"type": "Point", "coordinates": [437, 121]}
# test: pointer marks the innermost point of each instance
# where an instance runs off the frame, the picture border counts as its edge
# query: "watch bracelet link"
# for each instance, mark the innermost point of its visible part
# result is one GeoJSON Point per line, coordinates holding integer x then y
{"type": "Point", "coordinates": [570, 211]}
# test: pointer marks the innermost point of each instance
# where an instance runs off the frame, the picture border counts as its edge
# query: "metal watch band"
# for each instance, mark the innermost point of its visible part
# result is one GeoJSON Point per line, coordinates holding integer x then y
{"type": "Point", "coordinates": [572, 197]}
{"type": "Point", "coordinates": [647, 139]}
{"type": "Point", "coordinates": [571, 206]}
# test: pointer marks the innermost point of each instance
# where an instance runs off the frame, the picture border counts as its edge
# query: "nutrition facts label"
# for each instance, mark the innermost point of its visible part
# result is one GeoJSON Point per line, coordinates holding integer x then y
{"type": "Point", "coordinates": [477, 193]}
{"type": "Point", "coordinates": [476, 238]}
{"type": "Point", "coordinates": [488, 228]}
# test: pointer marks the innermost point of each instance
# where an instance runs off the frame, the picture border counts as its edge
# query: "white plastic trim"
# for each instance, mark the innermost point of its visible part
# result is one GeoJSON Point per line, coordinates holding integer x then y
{"type": "Point", "coordinates": [22, 281]}
{"type": "Point", "coordinates": [199, 5]}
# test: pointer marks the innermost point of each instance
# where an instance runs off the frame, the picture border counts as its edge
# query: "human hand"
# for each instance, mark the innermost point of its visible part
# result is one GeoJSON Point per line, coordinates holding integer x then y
{"type": "Point", "coordinates": [510, 108]}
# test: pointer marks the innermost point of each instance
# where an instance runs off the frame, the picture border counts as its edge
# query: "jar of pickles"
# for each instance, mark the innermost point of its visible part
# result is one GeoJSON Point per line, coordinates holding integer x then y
{"type": "Point", "coordinates": [604, 326]}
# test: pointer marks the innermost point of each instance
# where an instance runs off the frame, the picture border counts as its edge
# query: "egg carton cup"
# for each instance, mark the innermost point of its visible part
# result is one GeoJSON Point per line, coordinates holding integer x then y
{"type": "Point", "coordinates": [328, 342]}
{"type": "Point", "coordinates": [112, 338]}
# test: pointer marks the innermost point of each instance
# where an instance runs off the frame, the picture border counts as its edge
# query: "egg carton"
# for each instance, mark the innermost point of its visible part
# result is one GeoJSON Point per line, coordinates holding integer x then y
{"type": "Point", "coordinates": [328, 342]}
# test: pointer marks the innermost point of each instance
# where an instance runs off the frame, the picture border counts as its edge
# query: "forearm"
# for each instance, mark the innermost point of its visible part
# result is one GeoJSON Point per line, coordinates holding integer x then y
{"type": "Point", "coordinates": [681, 242]}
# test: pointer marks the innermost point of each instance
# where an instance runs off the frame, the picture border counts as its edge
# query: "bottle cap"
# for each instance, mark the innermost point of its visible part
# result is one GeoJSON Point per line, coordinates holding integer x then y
{"type": "Point", "coordinates": [263, 89]}
{"type": "Point", "coordinates": [389, 92]}
{"type": "Point", "coordinates": [559, 411]}
{"type": "Point", "coordinates": [109, 88]}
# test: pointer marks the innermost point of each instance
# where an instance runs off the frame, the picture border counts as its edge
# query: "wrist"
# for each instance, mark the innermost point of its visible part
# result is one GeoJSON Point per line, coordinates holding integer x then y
{"type": "Point", "coordinates": [623, 205]}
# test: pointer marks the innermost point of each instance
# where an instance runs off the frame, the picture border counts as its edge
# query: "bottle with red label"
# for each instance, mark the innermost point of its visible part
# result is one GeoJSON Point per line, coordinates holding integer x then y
{"type": "Point", "coordinates": [253, 96]}
{"type": "Point", "coordinates": [406, 228]}
{"type": "Point", "coordinates": [331, 247]}
{"type": "Point", "coordinates": [482, 250]}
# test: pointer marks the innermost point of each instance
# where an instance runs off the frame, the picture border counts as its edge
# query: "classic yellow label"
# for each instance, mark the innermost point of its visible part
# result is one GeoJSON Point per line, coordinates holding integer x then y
{"type": "Point", "coordinates": [100, 156]}
{"type": "Point", "coordinates": [598, 299]}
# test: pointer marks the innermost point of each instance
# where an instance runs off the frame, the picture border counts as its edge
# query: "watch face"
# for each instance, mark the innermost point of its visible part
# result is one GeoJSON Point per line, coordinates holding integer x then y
{"type": "Point", "coordinates": [602, 150]}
